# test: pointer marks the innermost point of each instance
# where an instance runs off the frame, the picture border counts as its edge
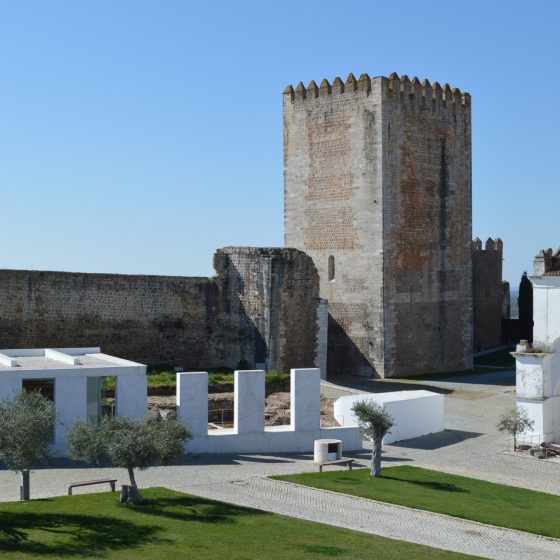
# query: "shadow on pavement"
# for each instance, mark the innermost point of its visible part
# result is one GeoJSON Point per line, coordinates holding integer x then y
{"type": "Point", "coordinates": [436, 441]}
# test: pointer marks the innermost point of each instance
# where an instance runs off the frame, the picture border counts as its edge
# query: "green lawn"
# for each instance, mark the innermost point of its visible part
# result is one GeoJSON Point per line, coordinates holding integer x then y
{"type": "Point", "coordinates": [176, 526]}
{"type": "Point", "coordinates": [501, 358]}
{"type": "Point", "coordinates": [459, 496]}
{"type": "Point", "coordinates": [158, 379]}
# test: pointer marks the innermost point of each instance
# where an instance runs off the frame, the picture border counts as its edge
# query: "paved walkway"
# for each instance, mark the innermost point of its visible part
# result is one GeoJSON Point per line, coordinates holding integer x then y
{"type": "Point", "coordinates": [377, 518]}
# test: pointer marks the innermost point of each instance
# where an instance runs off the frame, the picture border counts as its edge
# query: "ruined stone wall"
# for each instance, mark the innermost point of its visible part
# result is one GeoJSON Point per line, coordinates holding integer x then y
{"type": "Point", "coordinates": [272, 294]}
{"type": "Point", "coordinates": [488, 293]}
{"type": "Point", "coordinates": [378, 192]}
{"type": "Point", "coordinates": [190, 322]}
{"type": "Point", "coordinates": [332, 155]}
{"type": "Point", "coordinates": [427, 218]}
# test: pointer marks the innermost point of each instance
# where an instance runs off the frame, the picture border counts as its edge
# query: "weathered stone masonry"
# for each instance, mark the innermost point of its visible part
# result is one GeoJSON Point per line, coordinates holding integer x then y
{"type": "Point", "coordinates": [378, 193]}
{"type": "Point", "coordinates": [488, 292]}
{"type": "Point", "coordinates": [260, 307]}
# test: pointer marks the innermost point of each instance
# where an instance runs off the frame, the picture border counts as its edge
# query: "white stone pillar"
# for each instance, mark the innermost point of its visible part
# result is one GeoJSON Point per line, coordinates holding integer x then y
{"type": "Point", "coordinates": [305, 399]}
{"type": "Point", "coordinates": [70, 401]}
{"type": "Point", "coordinates": [192, 401]}
{"type": "Point", "coordinates": [249, 401]}
{"type": "Point", "coordinates": [9, 388]}
{"type": "Point", "coordinates": [132, 396]}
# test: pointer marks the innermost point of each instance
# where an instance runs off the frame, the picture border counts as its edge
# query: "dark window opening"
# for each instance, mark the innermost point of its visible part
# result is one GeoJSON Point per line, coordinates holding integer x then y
{"type": "Point", "coordinates": [331, 268]}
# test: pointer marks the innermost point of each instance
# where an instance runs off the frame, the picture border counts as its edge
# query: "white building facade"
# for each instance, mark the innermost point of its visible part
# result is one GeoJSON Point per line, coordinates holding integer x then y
{"type": "Point", "coordinates": [73, 379]}
{"type": "Point", "coordinates": [538, 366]}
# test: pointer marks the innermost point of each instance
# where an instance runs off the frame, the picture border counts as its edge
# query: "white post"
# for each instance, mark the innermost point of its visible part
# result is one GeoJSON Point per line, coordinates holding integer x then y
{"type": "Point", "coordinates": [249, 401]}
{"type": "Point", "coordinates": [9, 388]}
{"type": "Point", "coordinates": [70, 401]}
{"type": "Point", "coordinates": [132, 396]}
{"type": "Point", "coordinates": [305, 399]}
{"type": "Point", "coordinates": [192, 401]}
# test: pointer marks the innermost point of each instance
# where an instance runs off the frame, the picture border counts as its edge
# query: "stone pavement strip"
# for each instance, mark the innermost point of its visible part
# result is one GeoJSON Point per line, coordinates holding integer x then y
{"type": "Point", "coordinates": [378, 518]}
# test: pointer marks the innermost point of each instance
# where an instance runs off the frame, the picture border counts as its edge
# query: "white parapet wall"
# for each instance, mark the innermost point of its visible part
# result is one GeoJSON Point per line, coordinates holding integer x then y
{"type": "Point", "coordinates": [249, 434]}
{"type": "Point", "coordinates": [415, 413]}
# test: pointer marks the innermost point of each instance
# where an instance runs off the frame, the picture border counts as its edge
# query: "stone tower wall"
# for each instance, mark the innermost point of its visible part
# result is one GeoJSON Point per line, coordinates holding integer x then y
{"type": "Point", "coordinates": [488, 293]}
{"type": "Point", "coordinates": [378, 176]}
{"type": "Point", "coordinates": [332, 157]}
{"type": "Point", "coordinates": [427, 216]}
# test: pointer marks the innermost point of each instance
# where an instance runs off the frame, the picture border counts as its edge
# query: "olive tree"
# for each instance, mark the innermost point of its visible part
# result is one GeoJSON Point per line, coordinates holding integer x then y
{"type": "Point", "coordinates": [374, 422]}
{"type": "Point", "coordinates": [26, 433]}
{"type": "Point", "coordinates": [515, 421]}
{"type": "Point", "coordinates": [129, 444]}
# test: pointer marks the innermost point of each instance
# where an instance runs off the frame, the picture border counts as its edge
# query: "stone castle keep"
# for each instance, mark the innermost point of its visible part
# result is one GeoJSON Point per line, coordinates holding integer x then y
{"type": "Point", "coordinates": [378, 193]}
{"type": "Point", "coordinates": [376, 277]}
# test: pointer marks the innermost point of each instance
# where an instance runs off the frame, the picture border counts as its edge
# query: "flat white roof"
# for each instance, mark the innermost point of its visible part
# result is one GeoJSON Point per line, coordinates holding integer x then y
{"type": "Point", "coordinates": [35, 359]}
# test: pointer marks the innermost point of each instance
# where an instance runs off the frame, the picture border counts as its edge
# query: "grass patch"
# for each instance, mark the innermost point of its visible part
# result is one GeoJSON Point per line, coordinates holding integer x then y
{"type": "Point", "coordinates": [500, 358]}
{"type": "Point", "coordinates": [175, 525]}
{"type": "Point", "coordinates": [467, 498]}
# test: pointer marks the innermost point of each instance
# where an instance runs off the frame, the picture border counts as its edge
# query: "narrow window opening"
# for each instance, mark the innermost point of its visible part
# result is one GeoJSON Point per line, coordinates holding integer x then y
{"type": "Point", "coordinates": [331, 268]}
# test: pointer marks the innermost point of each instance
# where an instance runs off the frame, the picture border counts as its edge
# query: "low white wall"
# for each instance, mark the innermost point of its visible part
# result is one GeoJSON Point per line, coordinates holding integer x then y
{"type": "Point", "coordinates": [249, 434]}
{"type": "Point", "coordinates": [415, 413]}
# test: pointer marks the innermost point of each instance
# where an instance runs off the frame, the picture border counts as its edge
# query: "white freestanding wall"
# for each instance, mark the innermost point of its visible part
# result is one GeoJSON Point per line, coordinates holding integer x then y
{"type": "Point", "coordinates": [538, 366]}
{"type": "Point", "coordinates": [70, 368]}
{"type": "Point", "coordinates": [249, 434]}
{"type": "Point", "coordinates": [415, 413]}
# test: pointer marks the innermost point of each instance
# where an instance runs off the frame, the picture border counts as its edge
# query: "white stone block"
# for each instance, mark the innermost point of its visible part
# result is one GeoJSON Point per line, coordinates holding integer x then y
{"type": "Point", "coordinates": [415, 413]}
{"type": "Point", "coordinates": [70, 400]}
{"type": "Point", "coordinates": [533, 376]}
{"type": "Point", "coordinates": [132, 396]}
{"type": "Point", "coordinates": [249, 386]}
{"type": "Point", "coordinates": [192, 401]}
{"type": "Point", "coordinates": [305, 399]}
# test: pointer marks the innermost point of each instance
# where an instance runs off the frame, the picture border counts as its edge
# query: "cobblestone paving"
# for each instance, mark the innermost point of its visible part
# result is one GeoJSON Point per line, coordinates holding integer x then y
{"type": "Point", "coordinates": [382, 519]}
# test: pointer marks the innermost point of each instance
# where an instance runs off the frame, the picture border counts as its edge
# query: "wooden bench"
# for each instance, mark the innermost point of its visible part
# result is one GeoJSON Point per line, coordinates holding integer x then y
{"type": "Point", "coordinates": [111, 481]}
{"type": "Point", "coordinates": [343, 461]}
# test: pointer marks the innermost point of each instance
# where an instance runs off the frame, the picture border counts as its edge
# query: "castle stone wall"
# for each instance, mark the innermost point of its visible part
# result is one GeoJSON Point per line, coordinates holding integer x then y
{"type": "Point", "coordinates": [488, 293]}
{"type": "Point", "coordinates": [190, 322]}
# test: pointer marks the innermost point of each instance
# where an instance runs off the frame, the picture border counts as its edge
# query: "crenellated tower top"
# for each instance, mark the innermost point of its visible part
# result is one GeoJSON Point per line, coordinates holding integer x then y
{"type": "Point", "coordinates": [421, 92]}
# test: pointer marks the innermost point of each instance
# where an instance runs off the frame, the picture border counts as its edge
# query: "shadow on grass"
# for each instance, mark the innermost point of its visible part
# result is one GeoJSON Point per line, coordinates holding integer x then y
{"type": "Point", "coordinates": [432, 485]}
{"type": "Point", "coordinates": [61, 535]}
{"type": "Point", "coordinates": [191, 508]}
{"type": "Point", "coordinates": [323, 550]}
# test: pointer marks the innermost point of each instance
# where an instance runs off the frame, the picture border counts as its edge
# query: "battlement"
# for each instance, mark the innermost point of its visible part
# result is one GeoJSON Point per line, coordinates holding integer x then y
{"type": "Point", "coordinates": [492, 246]}
{"type": "Point", "coordinates": [414, 90]}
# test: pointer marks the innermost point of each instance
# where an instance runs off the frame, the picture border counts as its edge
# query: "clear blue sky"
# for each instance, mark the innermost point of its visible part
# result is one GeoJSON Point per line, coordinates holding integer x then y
{"type": "Point", "coordinates": [139, 136]}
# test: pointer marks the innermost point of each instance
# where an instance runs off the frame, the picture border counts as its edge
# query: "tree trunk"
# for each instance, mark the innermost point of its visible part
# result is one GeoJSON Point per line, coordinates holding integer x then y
{"type": "Point", "coordinates": [376, 457]}
{"type": "Point", "coordinates": [24, 489]}
{"type": "Point", "coordinates": [133, 495]}
{"type": "Point", "coordinates": [515, 441]}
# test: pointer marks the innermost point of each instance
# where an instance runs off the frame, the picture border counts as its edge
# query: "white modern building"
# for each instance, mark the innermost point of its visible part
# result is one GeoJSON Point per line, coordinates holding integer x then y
{"type": "Point", "coordinates": [73, 379]}
{"type": "Point", "coordinates": [415, 413]}
{"type": "Point", "coordinates": [538, 366]}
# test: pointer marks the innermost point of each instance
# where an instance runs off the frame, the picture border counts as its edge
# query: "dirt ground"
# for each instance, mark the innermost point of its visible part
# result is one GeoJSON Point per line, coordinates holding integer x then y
{"type": "Point", "coordinates": [220, 408]}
